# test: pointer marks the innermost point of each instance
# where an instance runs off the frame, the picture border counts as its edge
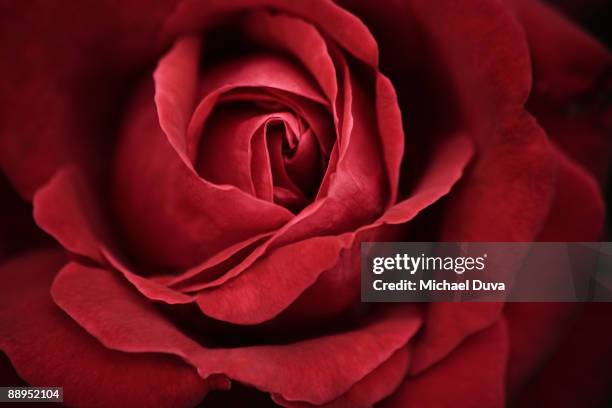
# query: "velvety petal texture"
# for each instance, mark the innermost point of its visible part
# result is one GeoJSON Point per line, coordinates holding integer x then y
{"type": "Point", "coordinates": [455, 381]}
{"type": "Point", "coordinates": [188, 185]}
{"type": "Point", "coordinates": [280, 142]}
{"type": "Point", "coordinates": [121, 319]}
{"type": "Point", "coordinates": [48, 348]}
{"type": "Point", "coordinates": [569, 90]}
{"type": "Point", "coordinates": [52, 94]}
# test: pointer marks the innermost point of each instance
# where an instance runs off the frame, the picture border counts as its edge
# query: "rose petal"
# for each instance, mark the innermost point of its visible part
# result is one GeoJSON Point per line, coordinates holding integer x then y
{"type": "Point", "coordinates": [315, 371]}
{"type": "Point", "coordinates": [252, 72]}
{"type": "Point", "coordinates": [369, 390]}
{"type": "Point", "coordinates": [578, 374]}
{"type": "Point", "coordinates": [216, 266]}
{"type": "Point", "coordinates": [391, 131]}
{"type": "Point", "coordinates": [158, 198]}
{"type": "Point", "coordinates": [306, 166]}
{"type": "Point", "coordinates": [447, 326]}
{"type": "Point", "coordinates": [66, 209]}
{"type": "Point", "coordinates": [198, 278]}
{"type": "Point", "coordinates": [355, 194]}
{"type": "Point", "coordinates": [342, 26]}
{"type": "Point", "coordinates": [577, 212]}
{"type": "Point", "coordinates": [176, 79]}
{"type": "Point", "coordinates": [478, 53]}
{"type": "Point", "coordinates": [567, 72]}
{"type": "Point", "coordinates": [48, 349]}
{"type": "Point", "coordinates": [46, 111]}
{"type": "Point", "coordinates": [272, 282]}
{"type": "Point", "coordinates": [535, 331]}
{"type": "Point", "coordinates": [472, 376]}
{"type": "Point", "coordinates": [300, 39]}
{"type": "Point", "coordinates": [487, 58]}
{"type": "Point", "coordinates": [313, 114]}
{"type": "Point", "coordinates": [261, 169]}
{"type": "Point", "coordinates": [147, 286]}
{"type": "Point", "coordinates": [353, 177]}
{"type": "Point", "coordinates": [338, 288]}
{"type": "Point", "coordinates": [570, 87]}
{"type": "Point", "coordinates": [229, 149]}
{"type": "Point", "coordinates": [237, 299]}
{"type": "Point", "coordinates": [505, 196]}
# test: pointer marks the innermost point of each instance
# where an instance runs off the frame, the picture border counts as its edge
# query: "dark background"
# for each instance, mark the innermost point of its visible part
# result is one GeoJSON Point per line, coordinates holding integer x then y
{"type": "Point", "coordinates": [594, 15]}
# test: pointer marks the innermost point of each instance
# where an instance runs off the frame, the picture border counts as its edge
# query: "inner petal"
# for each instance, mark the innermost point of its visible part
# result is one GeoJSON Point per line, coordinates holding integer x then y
{"type": "Point", "coordinates": [314, 114]}
{"type": "Point", "coordinates": [256, 72]}
{"type": "Point", "coordinates": [226, 154]}
{"type": "Point", "coordinates": [264, 149]}
{"type": "Point", "coordinates": [281, 141]}
{"type": "Point", "coordinates": [305, 164]}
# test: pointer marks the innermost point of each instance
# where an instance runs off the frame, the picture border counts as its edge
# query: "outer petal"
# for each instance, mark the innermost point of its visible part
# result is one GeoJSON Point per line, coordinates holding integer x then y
{"type": "Point", "coordinates": [579, 372]}
{"type": "Point", "coordinates": [507, 195]}
{"type": "Point", "coordinates": [577, 212]}
{"type": "Point", "coordinates": [48, 348]}
{"type": "Point", "coordinates": [273, 282]}
{"type": "Point", "coordinates": [476, 55]}
{"type": "Point", "coordinates": [346, 29]}
{"type": "Point", "coordinates": [535, 332]}
{"type": "Point", "coordinates": [369, 390]}
{"type": "Point", "coordinates": [66, 209]}
{"type": "Point", "coordinates": [570, 87]}
{"type": "Point", "coordinates": [52, 94]}
{"type": "Point", "coordinates": [316, 370]}
{"type": "Point", "coordinates": [472, 376]}
{"type": "Point", "coordinates": [447, 326]}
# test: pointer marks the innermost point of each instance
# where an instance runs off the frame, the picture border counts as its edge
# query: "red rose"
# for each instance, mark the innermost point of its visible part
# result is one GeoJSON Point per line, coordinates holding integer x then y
{"type": "Point", "coordinates": [208, 169]}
